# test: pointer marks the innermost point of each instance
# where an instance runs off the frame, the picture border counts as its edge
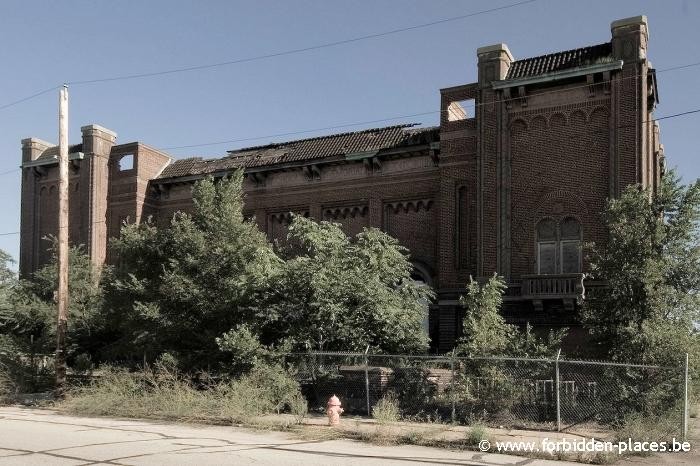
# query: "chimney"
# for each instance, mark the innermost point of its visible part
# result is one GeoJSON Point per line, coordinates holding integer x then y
{"type": "Point", "coordinates": [98, 140]}
{"type": "Point", "coordinates": [494, 61]}
{"type": "Point", "coordinates": [32, 148]}
{"type": "Point", "coordinates": [630, 37]}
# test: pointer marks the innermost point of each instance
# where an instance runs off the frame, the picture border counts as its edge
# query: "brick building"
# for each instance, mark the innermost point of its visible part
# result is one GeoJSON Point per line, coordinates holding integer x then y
{"type": "Point", "coordinates": [512, 180]}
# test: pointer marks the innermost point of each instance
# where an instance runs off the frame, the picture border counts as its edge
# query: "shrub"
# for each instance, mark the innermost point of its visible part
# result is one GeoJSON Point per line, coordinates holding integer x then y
{"type": "Point", "coordinates": [476, 434]}
{"type": "Point", "coordinates": [8, 388]}
{"type": "Point", "coordinates": [83, 364]}
{"type": "Point", "coordinates": [386, 410]}
{"type": "Point", "coordinates": [165, 393]}
{"type": "Point", "coordinates": [414, 390]}
{"type": "Point", "coordinates": [642, 428]}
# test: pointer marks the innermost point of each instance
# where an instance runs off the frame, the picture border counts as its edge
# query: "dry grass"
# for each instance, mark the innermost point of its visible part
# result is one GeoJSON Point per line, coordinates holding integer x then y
{"type": "Point", "coordinates": [163, 393]}
{"type": "Point", "coordinates": [386, 410]}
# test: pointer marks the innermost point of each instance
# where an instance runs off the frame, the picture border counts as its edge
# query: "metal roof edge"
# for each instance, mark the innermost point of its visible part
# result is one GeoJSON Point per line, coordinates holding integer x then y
{"type": "Point", "coordinates": [559, 75]}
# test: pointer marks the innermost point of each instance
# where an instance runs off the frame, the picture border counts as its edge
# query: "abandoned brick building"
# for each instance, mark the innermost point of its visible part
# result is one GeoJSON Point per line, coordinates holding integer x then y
{"type": "Point", "coordinates": [512, 181]}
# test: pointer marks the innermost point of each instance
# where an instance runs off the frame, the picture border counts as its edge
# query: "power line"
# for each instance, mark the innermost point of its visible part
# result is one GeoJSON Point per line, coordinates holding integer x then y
{"type": "Point", "coordinates": [10, 171]}
{"type": "Point", "coordinates": [666, 117]}
{"type": "Point", "coordinates": [303, 49]}
{"type": "Point", "coordinates": [273, 54]}
{"type": "Point", "coordinates": [24, 99]}
{"type": "Point", "coordinates": [398, 117]}
{"type": "Point", "coordinates": [474, 106]}
{"type": "Point", "coordinates": [697, 110]}
{"type": "Point", "coordinates": [290, 133]}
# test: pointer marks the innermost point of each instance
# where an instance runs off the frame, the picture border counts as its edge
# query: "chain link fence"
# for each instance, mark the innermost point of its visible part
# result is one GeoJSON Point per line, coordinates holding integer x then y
{"type": "Point", "coordinates": [553, 394]}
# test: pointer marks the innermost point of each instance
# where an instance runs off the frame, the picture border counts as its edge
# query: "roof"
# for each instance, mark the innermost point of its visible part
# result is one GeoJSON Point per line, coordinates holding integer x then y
{"type": "Point", "coordinates": [52, 152]}
{"type": "Point", "coordinates": [553, 62]}
{"type": "Point", "coordinates": [343, 144]}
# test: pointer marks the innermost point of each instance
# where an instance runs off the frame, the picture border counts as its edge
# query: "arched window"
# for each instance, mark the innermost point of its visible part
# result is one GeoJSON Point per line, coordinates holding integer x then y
{"type": "Point", "coordinates": [559, 249]}
{"type": "Point", "coordinates": [421, 278]}
{"type": "Point", "coordinates": [570, 246]}
{"type": "Point", "coordinates": [547, 246]}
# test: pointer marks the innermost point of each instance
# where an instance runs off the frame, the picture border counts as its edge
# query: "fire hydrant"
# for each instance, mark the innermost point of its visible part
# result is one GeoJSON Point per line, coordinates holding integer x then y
{"type": "Point", "coordinates": [333, 410]}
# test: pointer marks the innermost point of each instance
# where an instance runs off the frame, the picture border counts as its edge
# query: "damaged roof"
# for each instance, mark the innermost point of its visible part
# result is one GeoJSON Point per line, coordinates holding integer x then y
{"type": "Point", "coordinates": [343, 144]}
{"type": "Point", "coordinates": [559, 61]}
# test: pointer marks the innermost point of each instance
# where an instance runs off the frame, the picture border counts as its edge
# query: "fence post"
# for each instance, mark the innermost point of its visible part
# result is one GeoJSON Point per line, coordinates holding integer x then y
{"type": "Point", "coordinates": [556, 374]}
{"type": "Point", "coordinates": [369, 413]}
{"type": "Point", "coordinates": [452, 385]}
{"type": "Point", "coordinates": [685, 400]}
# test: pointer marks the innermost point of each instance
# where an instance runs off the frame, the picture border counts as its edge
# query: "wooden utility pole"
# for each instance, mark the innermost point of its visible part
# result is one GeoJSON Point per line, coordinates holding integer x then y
{"type": "Point", "coordinates": [62, 293]}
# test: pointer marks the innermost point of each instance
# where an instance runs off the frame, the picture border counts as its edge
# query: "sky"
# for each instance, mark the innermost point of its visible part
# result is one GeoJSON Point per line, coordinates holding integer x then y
{"type": "Point", "coordinates": [51, 42]}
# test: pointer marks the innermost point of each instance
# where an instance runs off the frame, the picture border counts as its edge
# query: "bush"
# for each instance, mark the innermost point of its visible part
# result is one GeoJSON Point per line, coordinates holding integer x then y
{"type": "Point", "coordinates": [414, 391]}
{"type": "Point", "coordinates": [386, 410]}
{"type": "Point", "coordinates": [165, 393]}
{"type": "Point", "coordinates": [476, 434]}
{"type": "Point", "coordinates": [8, 388]}
{"type": "Point", "coordinates": [641, 428]}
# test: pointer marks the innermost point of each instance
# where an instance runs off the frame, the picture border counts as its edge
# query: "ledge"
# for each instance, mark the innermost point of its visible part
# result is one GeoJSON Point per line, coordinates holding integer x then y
{"type": "Point", "coordinates": [559, 75]}
{"type": "Point", "coordinates": [52, 160]}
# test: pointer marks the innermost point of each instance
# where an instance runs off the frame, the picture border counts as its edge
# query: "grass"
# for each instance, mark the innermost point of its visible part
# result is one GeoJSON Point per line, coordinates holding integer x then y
{"type": "Point", "coordinates": [641, 428]}
{"type": "Point", "coordinates": [164, 393]}
{"type": "Point", "coordinates": [386, 410]}
{"type": "Point", "coordinates": [477, 432]}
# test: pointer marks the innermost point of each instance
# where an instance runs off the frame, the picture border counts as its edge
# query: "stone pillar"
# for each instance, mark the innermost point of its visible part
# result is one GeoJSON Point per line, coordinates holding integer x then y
{"type": "Point", "coordinates": [494, 62]}
{"type": "Point", "coordinates": [630, 121]}
{"type": "Point", "coordinates": [29, 239]}
{"type": "Point", "coordinates": [97, 146]}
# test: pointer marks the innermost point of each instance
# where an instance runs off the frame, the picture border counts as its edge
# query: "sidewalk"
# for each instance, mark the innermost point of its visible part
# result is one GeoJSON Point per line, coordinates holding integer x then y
{"type": "Point", "coordinates": [39, 436]}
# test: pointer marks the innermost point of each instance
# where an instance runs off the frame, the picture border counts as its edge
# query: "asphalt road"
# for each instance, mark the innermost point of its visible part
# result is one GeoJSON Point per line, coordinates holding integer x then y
{"type": "Point", "coordinates": [38, 437]}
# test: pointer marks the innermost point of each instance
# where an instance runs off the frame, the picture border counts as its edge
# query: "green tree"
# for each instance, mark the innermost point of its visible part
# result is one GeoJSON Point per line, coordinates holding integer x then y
{"type": "Point", "coordinates": [486, 333]}
{"type": "Point", "coordinates": [651, 266]}
{"type": "Point", "coordinates": [84, 303]}
{"type": "Point", "coordinates": [342, 293]}
{"type": "Point", "coordinates": [8, 281]}
{"type": "Point", "coordinates": [28, 316]}
{"type": "Point", "coordinates": [179, 287]}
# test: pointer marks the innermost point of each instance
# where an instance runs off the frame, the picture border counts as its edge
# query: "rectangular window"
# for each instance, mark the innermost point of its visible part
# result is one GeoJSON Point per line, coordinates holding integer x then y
{"type": "Point", "coordinates": [546, 258]}
{"type": "Point", "coordinates": [571, 256]}
{"type": "Point", "coordinates": [460, 110]}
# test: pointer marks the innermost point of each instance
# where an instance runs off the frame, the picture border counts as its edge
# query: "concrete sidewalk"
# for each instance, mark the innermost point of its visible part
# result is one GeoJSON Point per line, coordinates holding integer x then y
{"type": "Point", "coordinates": [38, 436]}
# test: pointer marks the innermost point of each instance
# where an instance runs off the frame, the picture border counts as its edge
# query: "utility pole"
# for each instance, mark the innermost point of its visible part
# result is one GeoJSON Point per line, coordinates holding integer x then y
{"type": "Point", "coordinates": [62, 293]}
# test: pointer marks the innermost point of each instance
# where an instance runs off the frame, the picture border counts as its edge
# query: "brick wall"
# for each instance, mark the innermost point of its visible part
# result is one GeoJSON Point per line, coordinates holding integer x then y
{"type": "Point", "coordinates": [467, 207]}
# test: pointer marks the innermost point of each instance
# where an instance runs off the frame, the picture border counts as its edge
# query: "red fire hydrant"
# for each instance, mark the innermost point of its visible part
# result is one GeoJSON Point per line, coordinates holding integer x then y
{"type": "Point", "coordinates": [333, 410]}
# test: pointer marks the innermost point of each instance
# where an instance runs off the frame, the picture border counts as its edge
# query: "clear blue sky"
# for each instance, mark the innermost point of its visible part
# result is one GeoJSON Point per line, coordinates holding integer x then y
{"type": "Point", "coordinates": [47, 43]}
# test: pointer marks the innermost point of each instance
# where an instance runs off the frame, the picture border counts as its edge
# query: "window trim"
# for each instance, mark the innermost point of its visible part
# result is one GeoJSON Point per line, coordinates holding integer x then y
{"type": "Point", "coordinates": [539, 252]}
{"type": "Point", "coordinates": [559, 244]}
{"type": "Point", "coordinates": [561, 254]}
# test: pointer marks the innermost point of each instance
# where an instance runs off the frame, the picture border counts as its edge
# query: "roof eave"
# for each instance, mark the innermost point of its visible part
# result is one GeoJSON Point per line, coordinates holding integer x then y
{"type": "Point", "coordinates": [559, 75]}
{"type": "Point", "coordinates": [52, 160]}
{"type": "Point", "coordinates": [299, 164]}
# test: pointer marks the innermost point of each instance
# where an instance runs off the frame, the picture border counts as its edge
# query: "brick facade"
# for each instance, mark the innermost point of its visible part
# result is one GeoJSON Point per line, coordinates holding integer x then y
{"type": "Point", "coordinates": [550, 137]}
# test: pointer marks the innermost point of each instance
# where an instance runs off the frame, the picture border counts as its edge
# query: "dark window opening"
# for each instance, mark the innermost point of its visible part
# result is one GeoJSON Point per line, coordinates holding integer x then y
{"type": "Point", "coordinates": [559, 246]}
{"type": "Point", "coordinates": [126, 163]}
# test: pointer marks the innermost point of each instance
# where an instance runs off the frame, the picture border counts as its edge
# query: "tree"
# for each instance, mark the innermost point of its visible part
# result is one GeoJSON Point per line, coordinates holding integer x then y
{"type": "Point", "coordinates": [7, 283]}
{"type": "Point", "coordinates": [84, 304]}
{"type": "Point", "coordinates": [28, 315]}
{"type": "Point", "coordinates": [651, 266]}
{"type": "Point", "coordinates": [342, 293]}
{"type": "Point", "coordinates": [486, 333]}
{"type": "Point", "coordinates": [485, 330]}
{"type": "Point", "coordinates": [178, 287]}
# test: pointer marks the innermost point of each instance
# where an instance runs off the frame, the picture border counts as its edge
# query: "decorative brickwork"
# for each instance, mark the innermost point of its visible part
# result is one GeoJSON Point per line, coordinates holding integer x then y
{"type": "Point", "coordinates": [549, 137]}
